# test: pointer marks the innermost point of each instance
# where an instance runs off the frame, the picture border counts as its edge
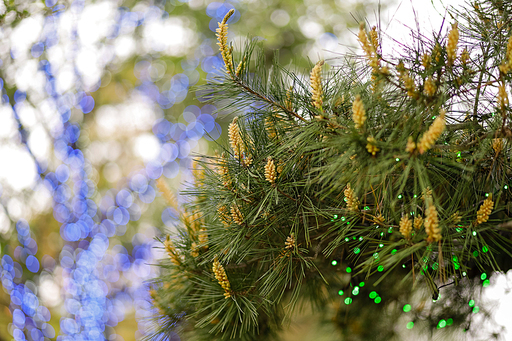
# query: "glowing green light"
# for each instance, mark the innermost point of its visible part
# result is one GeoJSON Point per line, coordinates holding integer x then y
{"type": "Point", "coordinates": [361, 284]}
{"type": "Point", "coordinates": [348, 300]}
{"type": "Point", "coordinates": [380, 268]}
{"type": "Point", "coordinates": [483, 276]}
{"type": "Point", "coordinates": [505, 187]}
{"type": "Point", "coordinates": [475, 253]}
{"type": "Point", "coordinates": [449, 322]}
{"type": "Point", "coordinates": [435, 266]}
{"type": "Point", "coordinates": [415, 195]}
{"type": "Point", "coordinates": [348, 223]}
{"type": "Point", "coordinates": [397, 159]}
{"type": "Point", "coordinates": [366, 208]}
{"type": "Point", "coordinates": [474, 233]}
{"type": "Point", "coordinates": [334, 262]}
{"type": "Point", "coordinates": [373, 294]}
{"type": "Point", "coordinates": [407, 308]}
{"type": "Point", "coordinates": [343, 218]}
{"type": "Point", "coordinates": [347, 239]}
{"type": "Point", "coordinates": [390, 230]}
{"type": "Point", "coordinates": [361, 239]}
{"type": "Point", "coordinates": [433, 117]}
{"type": "Point", "coordinates": [459, 154]}
{"type": "Point", "coordinates": [394, 251]}
{"type": "Point", "coordinates": [410, 325]}
{"type": "Point", "coordinates": [349, 270]}
{"type": "Point", "coordinates": [399, 196]}
{"type": "Point", "coordinates": [472, 303]}
{"type": "Point", "coordinates": [403, 266]}
{"type": "Point", "coordinates": [375, 255]}
{"type": "Point", "coordinates": [377, 300]}
{"type": "Point", "coordinates": [381, 245]}
{"type": "Point", "coordinates": [464, 273]}
{"type": "Point", "coordinates": [485, 249]}
{"type": "Point", "coordinates": [382, 234]}
{"type": "Point", "coordinates": [476, 310]}
{"type": "Point", "coordinates": [458, 229]}
{"type": "Point", "coordinates": [486, 195]}
{"type": "Point", "coordinates": [355, 292]}
{"type": "Point", "coordinates": [441, 324]}
{"type": "Point", "coordinates": [340, 293]}
{"type": "Point", "coordinates": [354, 238]}
{"type": "Point", "coordinates": [357, 250]}
{"type": "Point", "coordinates": [486, 283]}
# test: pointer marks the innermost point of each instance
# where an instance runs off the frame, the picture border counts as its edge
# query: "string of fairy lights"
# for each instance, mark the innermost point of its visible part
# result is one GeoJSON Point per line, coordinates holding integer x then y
{"type": "Point", "coordinates": [90, 269]}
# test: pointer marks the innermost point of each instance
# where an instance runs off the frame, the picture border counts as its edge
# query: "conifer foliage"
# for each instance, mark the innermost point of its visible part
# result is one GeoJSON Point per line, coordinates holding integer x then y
{"type": "Point", "coordinates": [395, 169]}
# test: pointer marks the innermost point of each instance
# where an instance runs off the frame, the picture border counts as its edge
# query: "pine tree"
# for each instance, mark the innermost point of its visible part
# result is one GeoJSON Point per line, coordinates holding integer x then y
{"type": "Point", "coordinates": [383, 177]}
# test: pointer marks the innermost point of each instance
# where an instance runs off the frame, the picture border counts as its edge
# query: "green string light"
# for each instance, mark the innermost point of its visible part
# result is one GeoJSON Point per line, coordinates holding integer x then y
{"type": "Point", "coordinates": [407, 308]}
{"type": "Point", "coordinates": [472, 303]}
{"type": "Point", "coordinates": [394, 251]}
{"type": "Point", "coordinates": [476, 310]}
{"type": "Point", "coordinates": [397, 159]}
{"type": "Point", "coordinates": [334, 262]}
{"type": "Point", "coordinates": [474, 233]}
{"type": "Point", "coordinates": [340, 292]}
{"type": "Point", "coordinates": [475, 253]}
{"type": "Point", "coordinates": [485, 249]}
{"type": "Point", "coordinates": [381, 245]}
{"type": "Point", "coordinates": [348, 300]}
{"type": "Point", "coordinates": [349, 270]}
{"type": "Point", "coordinates": [355, 292]}
{"type": "Point", "coordinates": [343, 218]}
{"type": "Point", "coordinates": [505, 187]}
{"type": "Point", "coordinates": [373, 294]}
{"type": "Point", "coordinates": [361, 284]}
{"type": "Point", "coordinates": [377, 300]}
{"type": "Point", "coordinates": [357, 250]}
{"type": "Point", "coordinates": [441, 324]}
{"type": "Point", "coordinates": [486, 283]}
{"type": "Point", "coordinates": [380, 268]}
{"type": "Point", "coordinates": [361, 239]}
{"type": "Point", "coordinates": [335, 216]}
{"type": "Point", "coordinates": [399, 196]}
{"type": "Point", "coordinates": [347, 239]}
{"type": "Point", "coordinates": [483, 276]}
{"type": "Point", "coordinates": [486, 195]}
{"type": "Point", "coordinates": [410, 325]}
{"type": "Point", "coordinates": [449, 322]}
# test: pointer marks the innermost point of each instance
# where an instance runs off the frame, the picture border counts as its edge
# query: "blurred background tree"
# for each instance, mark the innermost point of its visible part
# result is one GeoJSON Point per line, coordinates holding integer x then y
{"type": "Point", "coordinates": [96, 105]}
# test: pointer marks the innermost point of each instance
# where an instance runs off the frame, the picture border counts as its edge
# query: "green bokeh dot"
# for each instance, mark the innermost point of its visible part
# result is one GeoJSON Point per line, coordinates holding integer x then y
{"type": "Point", "coordinates": [472, 303]}
{"type": "Point", "coordinates": [373, 294]}
{"type": "Point", "coordinates": [380, 268]}
{"type": "Point", "coordinates": [407, 308]}
{"type": "Point", "coordinates": [449, 322]}
{"type": "Point", "coordinates": [410, 325]}
{"type": "Point", "coordinates": [486, 283]}
{"type": "Point", "coordinates": [334, 262]}
{"type": "Point", "coordinates": [483, 276]}
{"type": "Point", "coordinates": [485, 249]}
{"type": "Point", "coordinates": [441, 324]}
{"type": "Point", "coordinates": [476, 310]}
{"type": "Point", "coordinates": [377, 300]}
{"type": "Point", "coordinates": [348, 300]}
{"type": "Point", "coordinates": [349, 270]}
{"type": "Point", "coordinates": [340, 292]}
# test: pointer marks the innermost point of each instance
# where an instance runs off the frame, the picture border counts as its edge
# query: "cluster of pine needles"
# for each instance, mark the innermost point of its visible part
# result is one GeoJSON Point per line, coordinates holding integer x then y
{"type": "Point", "coordinates": [397, 168]}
